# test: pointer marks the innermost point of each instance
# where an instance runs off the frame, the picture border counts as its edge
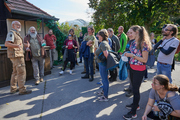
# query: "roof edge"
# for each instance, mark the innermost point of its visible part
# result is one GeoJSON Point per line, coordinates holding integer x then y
{"type": "Point", "coordinates": [37, 8]}
{"type": "Point", "coordinates": [35, 15]}
{"type": "Point", "coordinates": [7, 6]}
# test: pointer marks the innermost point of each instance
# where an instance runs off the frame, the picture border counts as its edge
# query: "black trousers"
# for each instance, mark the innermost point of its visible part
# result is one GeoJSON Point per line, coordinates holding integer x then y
{"type": "Point", "coordinates": [136, 78]}
{"type": "Point", "coordinates": [113, 74]}
{"type": "Point", "coordinates": [152, 116]}
{"type": "Point", "coordinates": [71, 66]}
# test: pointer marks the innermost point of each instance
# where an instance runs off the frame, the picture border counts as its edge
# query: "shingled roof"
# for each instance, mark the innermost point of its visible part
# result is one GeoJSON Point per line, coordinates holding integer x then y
{"type": "Point", "coordinates": [26, 8]}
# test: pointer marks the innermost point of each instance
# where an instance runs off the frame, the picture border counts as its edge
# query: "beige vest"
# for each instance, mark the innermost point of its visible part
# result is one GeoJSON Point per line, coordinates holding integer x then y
{"type": "Point", "coordinates": [15, 52]}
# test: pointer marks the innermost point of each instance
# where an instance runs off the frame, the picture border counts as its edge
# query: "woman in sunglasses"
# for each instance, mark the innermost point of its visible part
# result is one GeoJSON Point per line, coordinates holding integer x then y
{"type": "Point", "coordinates": [70, 45]}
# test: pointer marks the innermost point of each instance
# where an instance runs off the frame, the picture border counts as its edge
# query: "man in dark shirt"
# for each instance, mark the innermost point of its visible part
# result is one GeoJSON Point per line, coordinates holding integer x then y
{"type": "Point", "coordinates": [114, 38]}
{"type": "Point", "coordinates": [80, 39]}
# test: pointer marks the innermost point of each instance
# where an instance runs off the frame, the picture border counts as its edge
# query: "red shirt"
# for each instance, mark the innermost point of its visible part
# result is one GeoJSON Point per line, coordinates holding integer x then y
{"type": "Point", "coordinates": [70, 43]}
{"type": "Point", "coordinates": [50, 40]}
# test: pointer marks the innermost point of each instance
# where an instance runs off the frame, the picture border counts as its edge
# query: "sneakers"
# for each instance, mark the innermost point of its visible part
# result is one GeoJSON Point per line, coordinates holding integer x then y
{"type": "Point", "coordinates": [12, 92]}
{"type": "Point", "coordinates": [130, 107]}
{"type": "Point", "coordinates": [83, 72]}
{"type": "Point", "coordinates": [41, 80]}
{"type": "Point", "coordinates": [103, 99]}
{"type": "Point", "coordinates": [26, 92]}
{"type": "Point", "coordinates": [99, 83]}
{"type": "Point", "coordinates": [101, 86]}
{"type": "Point", "coordinates": [129, 94]}
{"type": "Point", "coordinates": [130, 116]}
{"type": "Point", "coordinates": [91, 78]}
{"type": "Point", "coordinates": [126, 89]}
{"type": "Point", "coordinates": [37, 82]}
{"type": "Point", "coordinates": [85, 77]}
{"type": "Point", "coordinates": [100, 93]}
{"type": "Point", "coordinates": [70, 72]}
{"type": "Point", "coordinates": [62, 72]}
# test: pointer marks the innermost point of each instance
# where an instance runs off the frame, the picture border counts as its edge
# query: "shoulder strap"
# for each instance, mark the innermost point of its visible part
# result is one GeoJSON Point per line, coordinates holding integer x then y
{"type": "Point", "coordinates": [167, 42]}
{"type": "Point", "coordinates": [165, 98]}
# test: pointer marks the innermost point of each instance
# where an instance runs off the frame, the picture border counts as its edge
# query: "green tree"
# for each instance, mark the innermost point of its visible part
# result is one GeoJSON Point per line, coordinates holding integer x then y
{"type": "Point", "coordinates": [149, 13]}
{"type": "Point", "coordinates": [65, 27]}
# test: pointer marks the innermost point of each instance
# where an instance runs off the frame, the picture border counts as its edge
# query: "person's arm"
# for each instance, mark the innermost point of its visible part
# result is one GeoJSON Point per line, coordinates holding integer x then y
{"type": "Point", "coordinates": [75, 45]}
{"type": "Point", "coordinates": [105, 53]}
{"type": "Point", "coordinates": [143, 59]}
{"type": "Point", "coordinates": [117, 44]}
{"type": "Point", "coordinates": [148, 109]}
{"type": "Point", "coordinates": [55, 38]}
{"type": "Point", "coordinates": [168, 51]}
{"type": "Point", "coordinates": [11, 45]}
{"type": "Point", "coordinates": [175, 113]}
{"type": "Point", "coordinates": [157, 44]}
{"type": "Point", "coordinates": [124, 43]}
{"type": "Point", "coordinates": [89, 43]}
{"type": "Point", "coordinates": [120, 45]}
{"type": "Point", "coordinates": [174, 102]}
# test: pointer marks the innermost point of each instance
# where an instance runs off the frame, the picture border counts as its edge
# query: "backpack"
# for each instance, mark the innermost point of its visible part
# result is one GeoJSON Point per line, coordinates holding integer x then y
{"type": "Point", "coordinates": [113, 45]}
{"type": "Point", "coordinates": [178, 49]}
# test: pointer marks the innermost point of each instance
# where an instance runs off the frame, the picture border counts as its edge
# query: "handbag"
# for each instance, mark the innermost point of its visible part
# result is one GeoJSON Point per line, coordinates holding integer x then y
{"type": "Point", "coordinates": [165, 108]}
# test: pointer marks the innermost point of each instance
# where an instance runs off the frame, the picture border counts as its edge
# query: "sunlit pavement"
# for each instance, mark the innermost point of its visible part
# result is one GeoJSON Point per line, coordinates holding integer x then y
{"type": "Point", "coordinates": [68, 97]}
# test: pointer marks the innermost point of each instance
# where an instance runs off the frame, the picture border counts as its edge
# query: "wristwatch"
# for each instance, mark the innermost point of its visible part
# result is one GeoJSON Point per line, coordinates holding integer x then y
{"type": "Point", "coordinates": [133, 56]}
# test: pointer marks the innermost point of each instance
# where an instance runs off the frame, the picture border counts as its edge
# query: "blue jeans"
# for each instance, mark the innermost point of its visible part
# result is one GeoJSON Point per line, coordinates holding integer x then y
{"type": "Point", "coordinates": [165, 70]}
{"type": "Point", "coordinates": [104, 75]}
{"type": "Point", "coordinates": [80, 55]}
{"type": "Point", "coordinates": [89, 63]}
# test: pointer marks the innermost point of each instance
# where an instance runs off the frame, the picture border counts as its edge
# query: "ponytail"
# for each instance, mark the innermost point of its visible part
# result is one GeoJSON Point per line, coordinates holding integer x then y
{"type": "Point", "coordinates": [172, 87]}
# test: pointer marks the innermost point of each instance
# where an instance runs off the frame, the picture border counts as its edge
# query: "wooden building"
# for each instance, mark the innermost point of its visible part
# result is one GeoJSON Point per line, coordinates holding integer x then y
{"type": "Point", "coordinates": [27, 14]}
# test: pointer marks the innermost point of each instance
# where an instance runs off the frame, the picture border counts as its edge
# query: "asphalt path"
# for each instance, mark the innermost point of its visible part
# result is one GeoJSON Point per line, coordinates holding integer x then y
{"type": "Point", "coordinates": [68, 97]}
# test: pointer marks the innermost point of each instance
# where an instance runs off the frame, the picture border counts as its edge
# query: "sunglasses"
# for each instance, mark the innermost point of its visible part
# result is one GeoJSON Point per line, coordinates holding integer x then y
{"type": "Point", "coordinates": [167, 29]}
{"type": "Point", "coordinates": [69, 35]}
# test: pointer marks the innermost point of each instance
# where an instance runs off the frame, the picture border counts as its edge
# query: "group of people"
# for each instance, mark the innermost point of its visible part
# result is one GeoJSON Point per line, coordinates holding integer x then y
{"type": "Point", "coordinates": [139, 47]}
{"type": "Point", "coordinates": [33, 45]}
{"type": "Point", "coordinates": [96, 51]}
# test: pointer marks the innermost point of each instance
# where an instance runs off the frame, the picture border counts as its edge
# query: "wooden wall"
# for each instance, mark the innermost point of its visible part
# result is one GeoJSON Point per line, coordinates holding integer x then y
{"type": "Point", "coordinates": [6, 68]}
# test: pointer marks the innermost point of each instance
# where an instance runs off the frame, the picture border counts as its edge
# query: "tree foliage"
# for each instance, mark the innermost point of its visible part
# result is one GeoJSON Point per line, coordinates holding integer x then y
{"type": "Point", "coordinates": [65, 27]}
{"type": "Point", "coordinates": [149, 13]}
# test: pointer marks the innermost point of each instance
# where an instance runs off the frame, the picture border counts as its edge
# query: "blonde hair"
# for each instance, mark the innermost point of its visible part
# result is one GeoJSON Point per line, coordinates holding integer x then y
{"type": "Point", "coordinates": [142, 37]}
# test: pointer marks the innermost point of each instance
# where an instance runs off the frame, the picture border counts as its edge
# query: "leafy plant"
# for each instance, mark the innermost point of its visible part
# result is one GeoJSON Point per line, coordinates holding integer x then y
{"type": "Point", "coordinates": [148, 13]}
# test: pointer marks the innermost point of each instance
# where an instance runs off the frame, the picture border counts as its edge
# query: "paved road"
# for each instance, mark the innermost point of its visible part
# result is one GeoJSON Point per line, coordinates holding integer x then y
{"type": "Point", "coordinates": [68, 97]}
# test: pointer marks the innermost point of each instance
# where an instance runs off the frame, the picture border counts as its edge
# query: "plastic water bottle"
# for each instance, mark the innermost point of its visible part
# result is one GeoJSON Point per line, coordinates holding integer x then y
{"type": "Point", "coordinates": [156, 112]}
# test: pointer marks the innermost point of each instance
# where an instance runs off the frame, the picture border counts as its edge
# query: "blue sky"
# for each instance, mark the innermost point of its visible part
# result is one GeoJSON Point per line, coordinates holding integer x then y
{"type": "Point", "coordinates": [65, 10]}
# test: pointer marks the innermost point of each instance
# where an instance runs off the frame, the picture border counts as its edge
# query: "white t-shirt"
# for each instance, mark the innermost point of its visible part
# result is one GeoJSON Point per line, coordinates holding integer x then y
{"type": "Point", "coordinates": [174, 42]}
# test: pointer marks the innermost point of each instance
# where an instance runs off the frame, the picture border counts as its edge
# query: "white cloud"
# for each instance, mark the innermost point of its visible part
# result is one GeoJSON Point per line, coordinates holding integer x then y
{"type": "Point", "coordinates": [66, 16]}
{"type": "Point", "coordinates": [82, 2]}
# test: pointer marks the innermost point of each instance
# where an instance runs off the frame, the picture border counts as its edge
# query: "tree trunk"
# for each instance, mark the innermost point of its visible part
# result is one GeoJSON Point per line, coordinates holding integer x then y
{"type": "Point", "coordinates": [147, 26]}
